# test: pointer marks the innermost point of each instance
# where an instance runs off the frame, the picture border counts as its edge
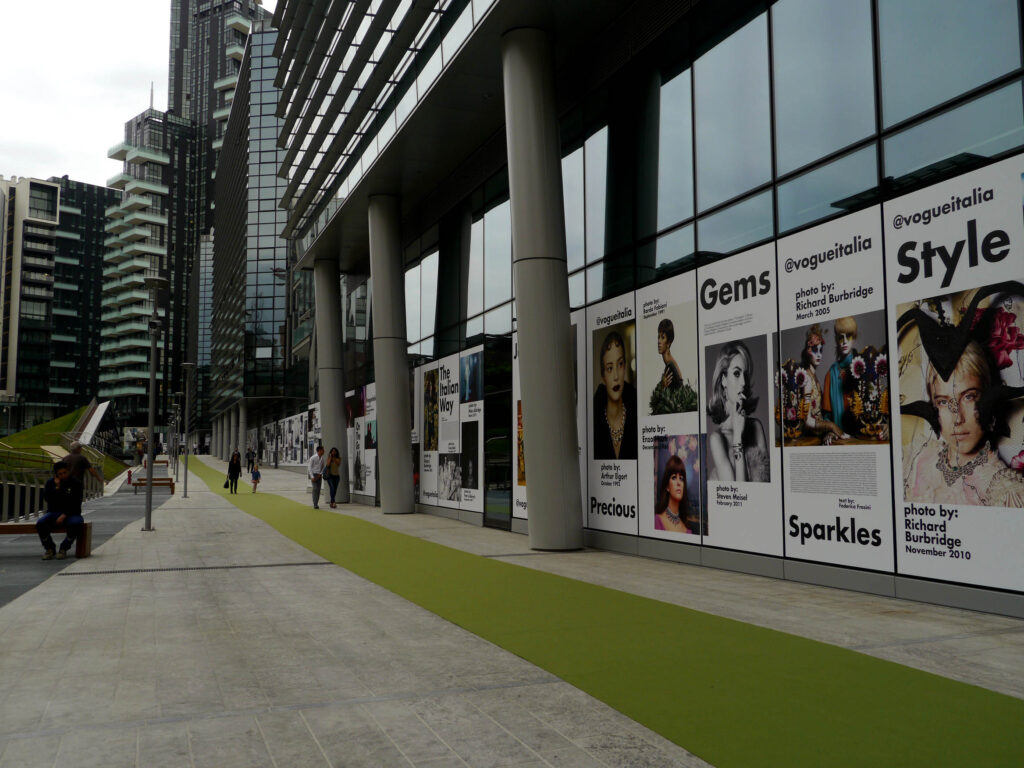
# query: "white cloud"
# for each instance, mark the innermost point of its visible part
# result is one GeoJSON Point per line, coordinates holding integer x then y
{"type": "Point", "coordinates": [72, 74]}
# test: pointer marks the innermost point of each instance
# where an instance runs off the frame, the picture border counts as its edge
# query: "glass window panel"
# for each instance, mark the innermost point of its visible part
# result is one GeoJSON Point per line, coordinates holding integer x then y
{"type": "Point", "coordinates": [572, 197]}
{"type": "Point", "coordinates": [577, 290]}
{"type": "Point", "coordinates": [475, 272]}
{"type": "Point", "coordinates": [674, 251]}
{"type": "Point", "coordinates": [934, 50]}
{"type": "Point", "coordinates": [824, 78]}
{"type": "Point", "coordinates": [412, 303]}
{"type": "Point", "coordinates": [595, 282]}
{"type": "Point", "coordinates": [733, 136]}
{"type": "Point", "coordinates": [675, 152]}
{"type": "Point", "coordinates": [984, 127]}
{"type": "Point", "coordinates": [737, 226]}
{"type": "Point", "coordinates": [498, 255]}
{"type": "Point", "coordinates": [595, 155]}
{"type": "Point", "coordinates": [499, 321]}
{"type": "Point", "coordinates": [813, 195]}
{"type": "Point", "coordinates": [474, 326]}
{"type": "Point", "coordinates": [428, 293]}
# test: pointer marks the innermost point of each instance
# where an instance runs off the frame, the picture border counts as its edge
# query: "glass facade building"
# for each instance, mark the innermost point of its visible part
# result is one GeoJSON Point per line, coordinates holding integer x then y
{"type": "Point", "coordinates": [252, 290]}
{"type": "Point", "coordinates": [695, 140]}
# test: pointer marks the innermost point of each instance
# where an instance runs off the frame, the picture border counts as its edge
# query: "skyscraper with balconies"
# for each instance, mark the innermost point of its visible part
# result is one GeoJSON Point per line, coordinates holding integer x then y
{"type": "Point", "coordinates": [151, 231]}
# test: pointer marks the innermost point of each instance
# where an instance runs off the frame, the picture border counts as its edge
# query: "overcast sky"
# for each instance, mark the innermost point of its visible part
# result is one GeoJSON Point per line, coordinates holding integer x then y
{"type": "Point", "coordinates": [72, 73]}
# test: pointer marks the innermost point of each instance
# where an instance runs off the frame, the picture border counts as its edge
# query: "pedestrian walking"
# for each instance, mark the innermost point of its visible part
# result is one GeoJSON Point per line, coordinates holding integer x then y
{"type": "Point", "coordinates": [234, 470]}
{"type": "Point", "coordinates": [255, 476]}
{"type": "Point", "coordinates": [63, 495]}
{"type": "Point", "coordinates": [316, 474]}
{"type": "Point", "coordinates": [250, 459]}
{"type": "Point", "coordinates": [78, 464]}
{"type": "Point", "coordinates": [333, 470]}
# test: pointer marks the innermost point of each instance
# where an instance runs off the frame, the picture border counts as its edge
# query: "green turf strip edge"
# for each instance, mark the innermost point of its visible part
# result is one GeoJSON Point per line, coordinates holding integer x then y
{"type": "Point", "coordinates": [732, 693]}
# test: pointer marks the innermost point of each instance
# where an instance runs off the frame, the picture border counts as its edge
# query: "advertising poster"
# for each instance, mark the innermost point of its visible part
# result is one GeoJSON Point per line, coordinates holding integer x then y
{"type": "Point", "coordinates": [955, 261]}
{"type": "Point", "coordinates": [471, 412]}
{"type": "Point", "coordinates": [353, 411]}
{"type": "Point", "coordinates": [251, 440]}
{"type": "Point", "coordinates": [314, 435]}
{"type": "Point", "coordinates": [416, 382]}
{"type": "Point", "coordinates": [834, 403]}
{"type": "Point", "coordinates": [368, 439]}
{"type": "Point", "coordinates": [578, 323]}
{"type": "Point", "coordinates": [449, 476]}
{"type": "Point", "coordinates": [292, 432]}
{"type": "Point", "coordinates": [669, 422]}
{"type": "Point", "coordinates": [613, 430]}
{"type": "Point", "coordinates": [736, 320]}
{"type": "Point", "coordinates": [429, 434]}
{"type": "Point", "coordinates": [268, 443]}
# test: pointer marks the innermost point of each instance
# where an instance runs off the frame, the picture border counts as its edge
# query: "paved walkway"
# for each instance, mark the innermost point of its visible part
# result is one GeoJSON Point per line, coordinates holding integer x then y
{"type": "Point", "coordinates": [215, 641]}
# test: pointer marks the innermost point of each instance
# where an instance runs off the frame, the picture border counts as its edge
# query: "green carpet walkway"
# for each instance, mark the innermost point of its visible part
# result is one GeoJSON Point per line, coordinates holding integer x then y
{"type": "Point", "coordinates": [732, 693]}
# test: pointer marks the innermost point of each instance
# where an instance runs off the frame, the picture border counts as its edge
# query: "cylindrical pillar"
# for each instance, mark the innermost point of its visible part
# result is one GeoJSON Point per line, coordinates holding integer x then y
{"type": "Point", "coordinates": [542, 292]}
{"type": "Point", "coordinates": [243, 428]}
{"type": "Point", "coordinates": [215, 437]}
{"type": "Point", "coordinates": [233, 432]}
{"type": "Point", "coordinates": [218, 446]}
{"type": "Point", "coordinates": [330, 362]}
{"type": "Point", "coordinates": [390, 362]}
{"type": "Point", "coordinates": [154, 335]}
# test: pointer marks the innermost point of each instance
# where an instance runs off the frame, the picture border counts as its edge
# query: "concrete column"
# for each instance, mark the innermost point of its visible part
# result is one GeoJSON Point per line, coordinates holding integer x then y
{"type": "Point", "coordinates": [213, 437]}
{"type": "Point", "coordinates": [331, 365]}
{"type": "Point", "coordinates": [243, 428]}
{"type": "Point", "coordinates": [232, 432]}
{"type": "Point", "coordinates": [222, 434]}
{"type": "Point", "coordinates": [542, 292]}
{"type": "Point", "coordinates": [390, 362]}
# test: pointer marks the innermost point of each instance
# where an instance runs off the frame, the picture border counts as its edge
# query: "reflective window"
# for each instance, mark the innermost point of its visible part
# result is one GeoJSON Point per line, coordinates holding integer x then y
{"type": "Point", "coordinates": [737, 226]}
{"type": "Point", "coordinates": [412, 303]}
{"type": "Point", "coordinates": [732, 123]}
{"type": "Point", "coordinates": [984, 127]}
{"type": "Point", "coordinates": [824, 76]}
{"type": "Point", "coordinates": [820, 193]}
{"type": "Point", "coordinates": [596, 159]}
{"type": "Point", "coordinates": [577, 290]}
{"type": "Point", "coordinates": [475, 270]}
{"type": "Point", "coordinates": [572, 195]}
{"type": "Point", "coordinates": [675, 152]}
{"type": "Point", "coordinates": [595, 282]}
{"type": "Point", "coordinates": [428, 293]}
{"type": "Point", "coordinates": [934, 50]}
{"type": "Point", "coordinates": [674, 251]}
{"type": "Point", "coordinates": [498, 255]}
{"type": "Point", "coordinates": [498, 321]}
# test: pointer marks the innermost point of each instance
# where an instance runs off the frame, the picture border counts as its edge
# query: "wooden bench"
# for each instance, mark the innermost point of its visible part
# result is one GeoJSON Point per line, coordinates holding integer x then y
{"type": "Point", "coordinates": [158, 482]}
{"type": "Point", "coordinates": [83, 544]}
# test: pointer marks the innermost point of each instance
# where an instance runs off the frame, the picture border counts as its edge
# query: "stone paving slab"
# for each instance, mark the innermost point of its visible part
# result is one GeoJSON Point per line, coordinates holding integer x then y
{"type": "Point", "coordinates": [215, 641]}
{"type": "Point", "coordinates": [977, 648]}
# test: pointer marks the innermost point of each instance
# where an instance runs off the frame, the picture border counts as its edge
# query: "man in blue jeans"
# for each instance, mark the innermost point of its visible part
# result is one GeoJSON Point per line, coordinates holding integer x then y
{"type": "Point", "coordinates": [63, 495]}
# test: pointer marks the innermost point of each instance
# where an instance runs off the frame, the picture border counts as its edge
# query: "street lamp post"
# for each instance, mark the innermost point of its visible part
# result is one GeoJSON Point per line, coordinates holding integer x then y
{"type": "Point", "coordinates": [155, 283]}
{"type": "Point", "coordinates": [187, 368]}
{"type": "Point", "coordinates": [178, 396]}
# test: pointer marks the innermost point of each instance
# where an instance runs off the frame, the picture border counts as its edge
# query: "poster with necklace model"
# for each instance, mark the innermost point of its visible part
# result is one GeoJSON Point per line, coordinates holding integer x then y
{"type": "Point", "coordinates": [449, 473]}
{"type": "Point", "coordinates": [613, 430]}
{"type": "Point", "coordinates": [429, 435]}
{"type": "Point", "coordinates": [471, 416]}
{"type": "Point", "coordinates": [736, 319]}
{"type": "Point", "coordinates": [519, 451]}
{"type": "Point", "coordinates": [833, 380]}
{"type": "Point", "coordinates": [669, 423]}
{"type": "Point", "coordinates": [955, 262]}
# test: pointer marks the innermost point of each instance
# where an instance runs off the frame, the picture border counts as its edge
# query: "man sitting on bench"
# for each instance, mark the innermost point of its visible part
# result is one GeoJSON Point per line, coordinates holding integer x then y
{"type": "Point", "coordinates": [63, 495]}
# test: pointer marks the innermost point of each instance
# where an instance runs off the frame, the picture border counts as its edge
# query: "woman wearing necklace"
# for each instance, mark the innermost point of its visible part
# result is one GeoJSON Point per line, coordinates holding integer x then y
{"type": "Point", "coordinates": [736, 443]}
{"type": "Point", "coordinates": [962, 466]}
{"type": "Point", "coordinates": [615, 424]}
{"type": "Point", "coordinates": [672, 506]}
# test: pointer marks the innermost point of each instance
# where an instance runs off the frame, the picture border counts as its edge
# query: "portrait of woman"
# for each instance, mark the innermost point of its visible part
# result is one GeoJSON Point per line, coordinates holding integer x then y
{"type": "Point", "coordinates": [737, 446]}
{"type": "Point", "coordinates": [615, 420]}
{"type": "Point", "coordinates": [962, 466]}
{"type": "Point", "coordinates": [672, 393]}
{"type": "Point", "coordinates": [672, 507]}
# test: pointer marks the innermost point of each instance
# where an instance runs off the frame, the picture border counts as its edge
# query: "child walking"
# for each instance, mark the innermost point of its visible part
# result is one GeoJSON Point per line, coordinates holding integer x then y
{"type": "Point", "coordinates": [255, 476]}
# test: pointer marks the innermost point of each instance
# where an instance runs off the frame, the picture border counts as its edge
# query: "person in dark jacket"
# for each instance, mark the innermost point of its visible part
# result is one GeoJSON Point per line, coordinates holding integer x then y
{"type": "Point", "coordinates": [234, 470]}
{"type": "Point", "coordinates": [63, 495]}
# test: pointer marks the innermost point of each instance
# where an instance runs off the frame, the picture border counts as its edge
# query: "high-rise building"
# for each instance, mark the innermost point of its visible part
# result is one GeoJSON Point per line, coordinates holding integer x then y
{"type": "Point", "coordinates": [250, 336]}
{"type": "Point", "coordinates": [52, 257]}
{"type": "Point", "coordinates": [77, 290]}
{"type": "Point", "coordinates": [151, 232]}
